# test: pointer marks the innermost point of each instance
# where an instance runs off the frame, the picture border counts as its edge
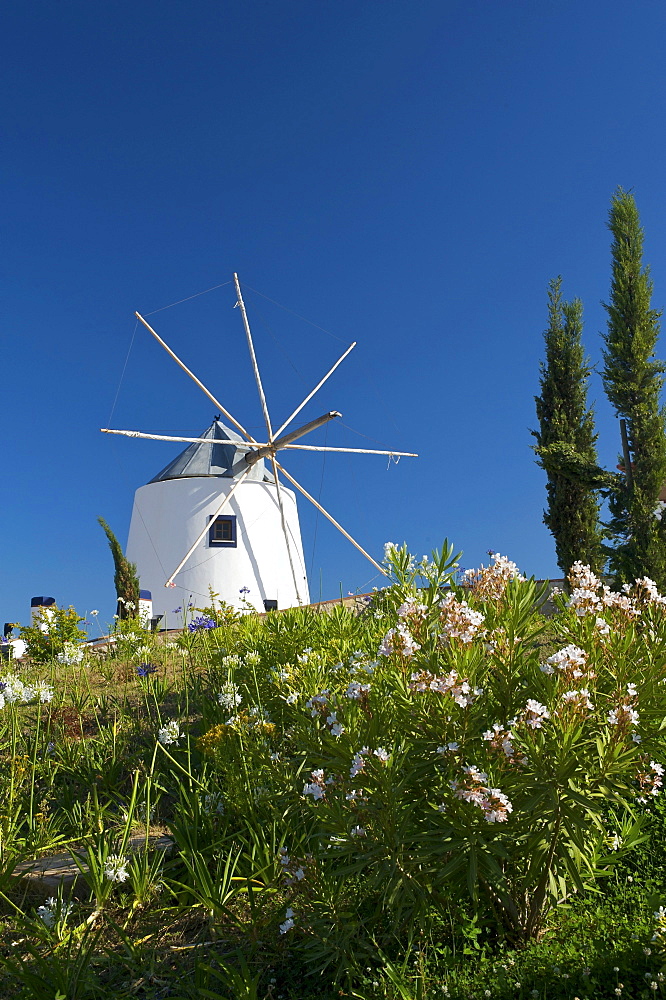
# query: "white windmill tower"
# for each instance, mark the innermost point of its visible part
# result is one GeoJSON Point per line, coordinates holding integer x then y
{"type": "Point", "coordinates": [219, 516]}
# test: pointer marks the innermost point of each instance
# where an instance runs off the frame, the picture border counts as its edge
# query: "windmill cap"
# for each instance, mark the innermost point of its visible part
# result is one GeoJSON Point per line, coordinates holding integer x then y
{"type": "Point", "coordinates": [221, 454]}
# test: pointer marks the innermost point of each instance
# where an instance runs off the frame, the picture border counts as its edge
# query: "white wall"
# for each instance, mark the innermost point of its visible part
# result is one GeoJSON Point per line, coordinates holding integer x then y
{"type": "Point", "coordinates": [167, 517]}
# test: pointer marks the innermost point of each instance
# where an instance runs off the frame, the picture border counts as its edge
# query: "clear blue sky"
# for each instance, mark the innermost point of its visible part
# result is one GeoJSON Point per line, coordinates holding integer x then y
{"type": "Point", "coordinates": [407, 175]}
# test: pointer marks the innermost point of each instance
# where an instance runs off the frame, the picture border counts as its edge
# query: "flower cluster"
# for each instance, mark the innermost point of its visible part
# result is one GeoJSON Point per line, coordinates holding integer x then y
{"type": "Point", "coordinates": [13, 690]}
{"type": "Point", "coordinates": [115, 868]}
{"type": "Point", "coordinates": [201, 624]}
{"type": "Point", "coordinates": [460, 690]}
{"type": "Point", "coordinates": [229, 697]}
{"type": "Point", "coordinates": [458, 620]}
{"type": "Point", "coordinates": [358, 760]}
{"type": "Point", "coordinates": [499, 738]}
{"type": "Point", "coordinates": [489, 583]}
{"type": "Point", "coordinates": [294, 870]}
{"type": "Point", "coordinates": [650, 778]}
{"type": "Point", "coordinates": [54, 910]}
{"type": "Point", "coordinates": [569, 663]}
{"type": "Point", "coordinates": [317, 787]}
{"type": "Point", "coordinates": [534, 714]}
{"type": "Point", "coordinates": [289, 922]}
{"type": "Point", "coordinates": [624, 716]}
{"type": "Point", "coordinates": [473, 788]}
{"type": "Point", "coordinates": [71, 654]}
{"type": "Point", "coordinates": [398, 640]}
{"type": "Point", "coordinates": [578, 702]}
{"type": "Point", "coordinates": [169, 734]}
{"type": "Point", "coordinates": [146, 669]}
{"type": "Point", "coordinates": [318, 704]}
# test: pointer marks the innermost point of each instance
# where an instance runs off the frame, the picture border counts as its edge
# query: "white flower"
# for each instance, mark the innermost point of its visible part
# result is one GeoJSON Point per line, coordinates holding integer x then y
{"type": "Point", "coordinates": [94, 613]}
{"type": "Point", "coordinates": [229, 697]}
{"type": "Point", "coordinates": [292, 698]}
{"type": "Point", "coordinates": [381, 753]}
{"type": "Point", "coordinates": [71, 654]}
{"type": "Point", "coordinates": [14, 690]}
{"type": "Point", "coordinates": [289, 922]}
{"type": "Point", "coordinates": [355, 691]}
{"type": "Point", "coordinates": [358, 831]}
{"type": "Point", "coordinates": [115, 868]}
{"type": "Point", "coordinates": [169, 734]}
{"type": "Point", "coordinates": [535, 714]}
{"type": "Point", "coordinates": [42, 691]}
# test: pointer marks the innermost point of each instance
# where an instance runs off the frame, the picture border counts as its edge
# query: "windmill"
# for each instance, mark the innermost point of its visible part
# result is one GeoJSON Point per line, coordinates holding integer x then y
{"type": "Point", "coordinates": [236, 524]}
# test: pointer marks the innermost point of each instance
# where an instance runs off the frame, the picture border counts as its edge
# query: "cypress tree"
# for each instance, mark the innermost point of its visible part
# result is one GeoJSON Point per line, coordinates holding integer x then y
{"type": "Point", "coordinates": [566, 438]}
{"type": "Point", "coordinates": [633, 381]}
{"type": "Point", "coordinates": [125, 577]}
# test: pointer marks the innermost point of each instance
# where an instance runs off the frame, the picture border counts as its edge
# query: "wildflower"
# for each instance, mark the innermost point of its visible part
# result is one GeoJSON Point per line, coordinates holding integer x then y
{"type": "Point", "coordinates": [315, 788]}
{"type": "Point", "coordinates": [292, 698]}
{"type": "Point", "coordinates": [169, 734]}
{"type": "Point", "coordinates": [500, 739]}
{"type": "Point", "coordinates": [494, 804]}
{"type": "Point", "coordinates": [43, 692]}
{"type": "Point", "coordinates": [244, 590]}
{"type": "Point", "coordinates": [398, 640]}
{"type": "Point", "coordinates": [651, 778]}
{"type": "Point", "coordinates": [202, 623]}
{"type": "Point", "coordinates": [489, 583]}
{"type": "Point", "coordinates": [53, 910]}
{"type": "Point", "coordinates": [14, 690]}
{"type": "Point", "coordinates": [115, 868]}
{"type": "Point", "coordinates": [334, 727]}
{"type": "Point", "coordinates": [318, 704]}
{"type": "Point", "coordinates": [289, 922]}
{"type": "Point", "coordinates": [229, 697]}
{"type": "Point", "coordinates": [449, 748]}
{"type": "Point", "coordinates": [534, 714]}
{"type": "Point", "coordinates": [358, 831]}
{"type": "Point", "coordinates": [570, 661]}
{"type": "Point", "coordinates": [94, 613]}
{"type": "Point", "coordinates": [71, 654]}
{"type": "Point", "coordinates": [356, 691]}
{"type": "Point", "coordinates": [145, 669]}
{"type": "Point", "coordinates": [358, 763]}
{"type": "Point", "coordinates": [458, 621]}
{"type": "Point", "coordinates": [382, 754]}
{"type": "Point", "coordinates": [578, 700]}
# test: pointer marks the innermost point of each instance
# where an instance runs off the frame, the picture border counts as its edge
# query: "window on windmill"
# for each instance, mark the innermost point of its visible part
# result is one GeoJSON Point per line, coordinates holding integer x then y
{"type": "Point", "coordinates": [222, 531]}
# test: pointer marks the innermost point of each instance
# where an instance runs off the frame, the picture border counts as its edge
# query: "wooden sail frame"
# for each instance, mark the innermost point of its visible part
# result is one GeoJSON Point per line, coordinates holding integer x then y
{"type": "Point", "coordinates": [277, 441]}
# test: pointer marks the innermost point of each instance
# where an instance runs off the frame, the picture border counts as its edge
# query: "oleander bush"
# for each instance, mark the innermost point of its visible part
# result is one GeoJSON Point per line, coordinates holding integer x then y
{"type": "Point", "coordinates": [380, 804]}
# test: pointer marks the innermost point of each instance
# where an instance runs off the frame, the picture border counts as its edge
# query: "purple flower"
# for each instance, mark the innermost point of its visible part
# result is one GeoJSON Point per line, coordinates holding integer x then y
{"type": "Point", "coordinates": [244, 590]}
{"type": "Point", "coordinates": [176, 611]}
{"type": "Point", "coordinates": [145, 669]}
{"type": "Point", "coordinates": [202, 622]}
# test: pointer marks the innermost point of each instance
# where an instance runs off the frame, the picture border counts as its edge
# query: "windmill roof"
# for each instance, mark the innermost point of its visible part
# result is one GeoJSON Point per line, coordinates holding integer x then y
{"type": "Point", "coordinates": [222, 454]}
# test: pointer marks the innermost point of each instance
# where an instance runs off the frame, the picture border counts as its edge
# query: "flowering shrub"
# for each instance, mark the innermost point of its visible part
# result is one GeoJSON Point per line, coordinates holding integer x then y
{"type": "Point", "coordinates": [447, 758]}
{"type": "Point", "coordinates": [54, 633]}
{"type": "Point", "coordinates": [454, 761]}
